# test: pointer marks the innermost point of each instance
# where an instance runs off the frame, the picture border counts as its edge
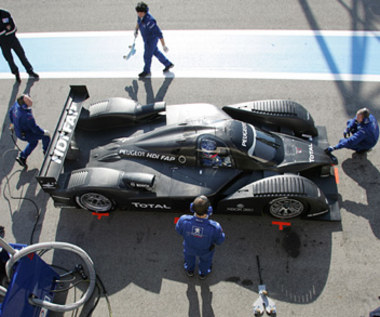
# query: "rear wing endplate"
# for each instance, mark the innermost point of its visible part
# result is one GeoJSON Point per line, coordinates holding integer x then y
{"type": "Point", "coordinates": [53, 163]}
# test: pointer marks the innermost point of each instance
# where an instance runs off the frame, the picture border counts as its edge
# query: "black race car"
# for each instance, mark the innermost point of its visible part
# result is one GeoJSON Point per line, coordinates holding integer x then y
{"type": "Point", "coordinates": [249, 158]}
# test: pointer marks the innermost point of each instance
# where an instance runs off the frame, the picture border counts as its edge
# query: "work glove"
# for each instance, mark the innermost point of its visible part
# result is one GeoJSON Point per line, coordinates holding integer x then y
{"type": "Point", "coordinates": [347, 133]}
{"type": "Point", "coordinates": [136, 33]}
{"type": "Point", "coordinates": [165, 48]}
{"type": "Point", "coordinates": [47, 133]}
{"type": "Point", "coordinates": [329, 149]}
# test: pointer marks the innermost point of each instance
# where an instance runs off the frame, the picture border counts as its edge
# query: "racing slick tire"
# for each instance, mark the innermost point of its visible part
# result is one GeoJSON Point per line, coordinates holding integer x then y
{"type": "Point", "coordinates": [95, 202]}
{"type": "Point", "coordinates": [286, 207]}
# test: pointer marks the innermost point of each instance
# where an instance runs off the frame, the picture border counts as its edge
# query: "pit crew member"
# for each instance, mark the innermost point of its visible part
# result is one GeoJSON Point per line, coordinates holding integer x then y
{"type": "Point", "coordinates": [200, 237]}
{"type": "Point", "coordinates": [26, 129]}
{"type": "Point", "coordinates": [9, 42]}
{"type": "Point", "coordinates": [361, 134]}
{"type": "Point", "coordinates": [150, 33]}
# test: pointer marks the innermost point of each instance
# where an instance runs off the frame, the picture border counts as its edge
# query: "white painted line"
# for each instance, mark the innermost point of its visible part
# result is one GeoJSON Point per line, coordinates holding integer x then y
{"type": "Point", "coordinates": [249, 54]}
{"type": "Point", "coordinates": [208, 74]}
{"type": "Point", "coordinates": [75, 34]}
{"type": "Point", "coordinates": [226, 32]}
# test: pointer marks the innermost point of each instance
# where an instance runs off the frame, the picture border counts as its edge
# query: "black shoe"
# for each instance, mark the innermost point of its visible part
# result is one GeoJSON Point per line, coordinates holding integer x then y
{"type": "Point", "coordinates": [33, 74]}
{"type": "Point", "coordinates": [143, 75]}
{"type": "Point", "coordinates": [189, 273]}
{"type": "Point", "coordinates": [166, 69]}
{"type": "Point", "coordinates": [21, 161]}
{"type": "Point", "coordinates": [204, 276]}
{"type": "Point", "coordinates": [18, 79]}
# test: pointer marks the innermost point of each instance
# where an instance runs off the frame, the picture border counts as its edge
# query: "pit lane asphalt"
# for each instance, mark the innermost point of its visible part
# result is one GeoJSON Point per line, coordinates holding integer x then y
{"type": "Point", "coordinates": [311, 269]}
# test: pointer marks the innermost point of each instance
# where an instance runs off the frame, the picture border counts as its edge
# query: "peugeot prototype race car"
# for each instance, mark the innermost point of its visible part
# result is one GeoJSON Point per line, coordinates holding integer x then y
{"type": "Point", "coordinates": [249, 158]}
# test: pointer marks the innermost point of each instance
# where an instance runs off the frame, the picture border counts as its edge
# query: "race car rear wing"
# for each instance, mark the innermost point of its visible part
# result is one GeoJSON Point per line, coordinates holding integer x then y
{"type": "Point", "coordinates": [60, 142]}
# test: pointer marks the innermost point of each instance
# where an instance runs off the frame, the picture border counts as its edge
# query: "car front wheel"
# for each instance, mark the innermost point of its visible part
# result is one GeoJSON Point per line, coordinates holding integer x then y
{"type": "Point", "coordinates": [286, 208]}
{"type": "Point", "coordinates": [95, 202]}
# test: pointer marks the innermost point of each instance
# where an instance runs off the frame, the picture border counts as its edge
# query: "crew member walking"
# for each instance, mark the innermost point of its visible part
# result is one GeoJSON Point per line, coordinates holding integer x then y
{"type": "Point", "coordinates": [361, 134]}
{"type": "Point", "coordinates": [200, 237]}
{"type": "Point", "coordinates": [26, 129]}
{"type": "Point", "coordinates": [9, 42]}
{"type": "Point", "coordinates": [150, 33]}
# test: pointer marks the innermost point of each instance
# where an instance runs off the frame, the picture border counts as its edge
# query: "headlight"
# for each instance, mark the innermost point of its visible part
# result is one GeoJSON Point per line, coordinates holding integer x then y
{"type": "Point", "coordinates": [327, 171]}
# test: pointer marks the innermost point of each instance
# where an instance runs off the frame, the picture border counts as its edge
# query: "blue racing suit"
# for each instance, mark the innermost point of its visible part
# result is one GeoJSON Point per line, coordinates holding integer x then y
{"type": "Point", "coordinates": [26, 129]}
{"type": "Point", "coordinates": [364, 135]}
{"type": "Point", "coordinates": [200, 236]}
{"type": "Point", "coordinates": [151, 33]}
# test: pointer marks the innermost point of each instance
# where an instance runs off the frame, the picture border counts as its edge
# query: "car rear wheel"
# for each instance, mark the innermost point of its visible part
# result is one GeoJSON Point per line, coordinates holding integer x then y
{"type": "Point", "coordinates": [95, 202]}
{"type": "Point", "coordinates": [286, 208]}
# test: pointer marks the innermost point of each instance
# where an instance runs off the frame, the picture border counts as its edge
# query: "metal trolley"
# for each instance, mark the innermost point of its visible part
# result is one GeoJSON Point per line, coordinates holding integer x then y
{"type": "Point", "coordinates": [32, 282]}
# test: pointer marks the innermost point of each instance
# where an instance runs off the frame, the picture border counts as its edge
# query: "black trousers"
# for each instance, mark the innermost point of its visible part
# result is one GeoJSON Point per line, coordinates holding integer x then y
{"type": "Point", "coordinates": [10, 43]}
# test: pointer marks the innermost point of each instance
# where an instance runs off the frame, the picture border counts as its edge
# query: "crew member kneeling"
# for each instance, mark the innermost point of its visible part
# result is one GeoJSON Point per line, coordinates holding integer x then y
{"type": "Point", "coordinates": [200, 236]}
{"type": "Point", "coordinates": [361, 134]}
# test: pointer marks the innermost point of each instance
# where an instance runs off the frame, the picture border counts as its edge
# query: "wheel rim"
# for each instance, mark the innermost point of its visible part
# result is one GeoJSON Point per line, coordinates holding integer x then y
{"type": "Point", "coordinates": [285, 208]}
{"type": "Point", "coordinates": [95, 202]}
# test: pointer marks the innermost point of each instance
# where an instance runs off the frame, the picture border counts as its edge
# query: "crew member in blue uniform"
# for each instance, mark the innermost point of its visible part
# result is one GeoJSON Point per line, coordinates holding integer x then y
{"type": "Point", "coordinates": [361, 134]}
{"type": "Point", "coordinates": [26, 129]}
{"type": "Point", "coordinates": [150, 33]}
{"type": "Point", "coordinates": [9, 42]}
{"type": "Point", "coordinates": [200, 237]}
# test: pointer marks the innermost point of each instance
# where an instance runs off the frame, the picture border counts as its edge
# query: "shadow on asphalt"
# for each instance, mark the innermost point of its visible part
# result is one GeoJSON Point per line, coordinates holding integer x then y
{"type": "Point", "coordinates": [367, 176]}
{"type": "Point", "coordinates": [143, 248]}
{"type": "Point", "coordinates": [150, 96]}
{"type": "Point", "coordinates": [364, 14]}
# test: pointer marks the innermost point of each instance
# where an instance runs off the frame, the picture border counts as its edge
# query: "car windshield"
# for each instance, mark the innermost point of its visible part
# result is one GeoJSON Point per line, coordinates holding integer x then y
{"type": "Point", "coordinates": [262, 146]}
{"type": "Point", "coordinates": [267, 146]}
